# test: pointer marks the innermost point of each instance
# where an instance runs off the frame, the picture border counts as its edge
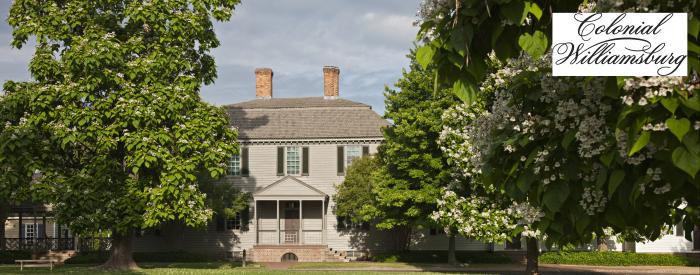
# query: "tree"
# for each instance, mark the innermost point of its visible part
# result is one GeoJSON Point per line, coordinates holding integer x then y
{"type": "Point", "coordinates": [413, 169]}
{"type": "Point", "coordinates": [355, 195]}
{"type": "Point", "coordinates": [625, 149]}
{"type": "Point", "coordinates": [20, 147]}
{"type": "Point", "coordinates": [116, 86]}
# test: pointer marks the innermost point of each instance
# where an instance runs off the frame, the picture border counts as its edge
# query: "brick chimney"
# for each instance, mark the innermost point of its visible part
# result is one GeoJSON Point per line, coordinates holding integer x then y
{"type": "Point", "coordinates": [331, 75]}
{"type": "Point", "coordinates": [263, 83]}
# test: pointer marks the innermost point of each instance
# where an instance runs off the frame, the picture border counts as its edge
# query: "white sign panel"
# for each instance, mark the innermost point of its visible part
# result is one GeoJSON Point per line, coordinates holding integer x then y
{"type": "Point", "coordinates": [620, 44]}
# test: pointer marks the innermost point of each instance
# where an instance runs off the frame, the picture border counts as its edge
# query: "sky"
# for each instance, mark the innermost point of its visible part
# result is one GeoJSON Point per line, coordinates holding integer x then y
{"type": "Point", "coordinates": [367, 39]}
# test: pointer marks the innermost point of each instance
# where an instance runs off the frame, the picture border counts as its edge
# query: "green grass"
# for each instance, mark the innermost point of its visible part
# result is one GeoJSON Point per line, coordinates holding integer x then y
{"type": "Point", "coordinates": [176, 269]}
{"type": "Point", "coordinates": [341, 265]}
{"type": "Point", "coordinates": [617, 259]}
{"type": "Point", "coordinates": [441, 257]}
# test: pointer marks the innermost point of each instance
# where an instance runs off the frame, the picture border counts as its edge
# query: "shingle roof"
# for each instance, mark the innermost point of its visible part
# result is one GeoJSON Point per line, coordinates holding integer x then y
{"type": "Point", "coordinates": [309, 117]}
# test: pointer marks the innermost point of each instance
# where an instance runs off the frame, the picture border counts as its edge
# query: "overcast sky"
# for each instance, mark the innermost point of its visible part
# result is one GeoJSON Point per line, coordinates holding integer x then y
{"type": "Point", "coordinates": [367, 39]}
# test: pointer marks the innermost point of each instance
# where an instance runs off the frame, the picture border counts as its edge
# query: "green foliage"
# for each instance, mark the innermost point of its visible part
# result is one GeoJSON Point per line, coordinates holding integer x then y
{"type": "Point", "coordinates": [116, 95]}
{"type": "Point", "coordinates": [224, 198]}
{"type": "Point", "coordinates": [9, 257]}
{"type": "Point", "coordinates": [413, 170]}
{"type": "Point", "coordinates": [21, 146]}
{"type": "Point", "coordinates": [617, 259]}
{"type": "Point", "coordinates": [148, 257]}
{"type": "Point", "coordinates": [506, 27]}
{"type": "Point", "coordinates": [354, 198]}
{"type": "Point", "coordinates": [650, 157]}
{"type": "Point", "coordinates": [441, 257]}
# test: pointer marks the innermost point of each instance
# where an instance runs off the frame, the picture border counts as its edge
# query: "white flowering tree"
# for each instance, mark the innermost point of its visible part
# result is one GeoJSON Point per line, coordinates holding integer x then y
{"type": "Point", "coordinates": [116, 85]}
{"type": "Point", "coordinates": [589, 152]}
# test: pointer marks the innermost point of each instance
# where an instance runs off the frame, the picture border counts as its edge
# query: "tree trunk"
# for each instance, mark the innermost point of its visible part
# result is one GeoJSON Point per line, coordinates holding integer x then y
{"type": "Point", "coordinates": [4, 211]}
{"type": "Point", "coordinates": [533, 252]}
{"type": "Point", "coordinates": [121, 257]}
{"type": "Point", "coordinates": [451, 255]}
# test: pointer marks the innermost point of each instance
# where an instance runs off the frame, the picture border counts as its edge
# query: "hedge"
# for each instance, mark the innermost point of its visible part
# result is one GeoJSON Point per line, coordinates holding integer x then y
{"type": "Point", "coordinates": [618, 259]}
{"type": "Point", "coordinates": [441, 257]}
{"type": "Point", "coordinates": [9, 257]}
{"type": "Point", "coordinates": [148, 257]}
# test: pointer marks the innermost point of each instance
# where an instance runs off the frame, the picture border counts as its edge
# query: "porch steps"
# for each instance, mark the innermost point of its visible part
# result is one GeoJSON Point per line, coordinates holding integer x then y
{"type": "Point", "coordinates": [333, 255]}
{"type": "Point", "coordinates": [57, 255]}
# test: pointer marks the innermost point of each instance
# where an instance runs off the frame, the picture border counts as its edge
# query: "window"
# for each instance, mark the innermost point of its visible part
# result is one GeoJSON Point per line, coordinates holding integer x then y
{"type": "Point", "coordinates": [234, 222]}
{"type": "Point", "coordinates": [346, 223]}
{"type": "Point", "coordinates": [234, 166]}
{"type": "Point", "coordinates": [352, 153]}
{"type": "Point", "coordinates": [29, 232]}
{"type": "Point", "coordinates": [293, 161]}
{"type": "Point", "coordinates": [436, 231]}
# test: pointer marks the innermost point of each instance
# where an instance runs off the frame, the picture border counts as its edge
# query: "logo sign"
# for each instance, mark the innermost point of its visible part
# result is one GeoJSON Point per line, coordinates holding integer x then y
{"type": "Point", "coordinates": [620, 44]}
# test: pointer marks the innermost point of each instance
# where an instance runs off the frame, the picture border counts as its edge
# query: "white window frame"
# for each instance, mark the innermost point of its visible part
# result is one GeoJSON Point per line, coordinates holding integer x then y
{"type": "Point", "coordinates": [287, 160]}
{"type": "Point", "coordinates": [349, 159]}
{"type": "Point", "coordinates": [233, 167]}
{"type": "Point", "coordinates": [236, 222]}
{"type": "Point", "coordinates": [27, 226]}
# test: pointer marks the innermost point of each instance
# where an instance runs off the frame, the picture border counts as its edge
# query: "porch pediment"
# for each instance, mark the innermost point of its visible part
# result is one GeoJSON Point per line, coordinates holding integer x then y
{"type": "Point", "coordinates": [289, 187]}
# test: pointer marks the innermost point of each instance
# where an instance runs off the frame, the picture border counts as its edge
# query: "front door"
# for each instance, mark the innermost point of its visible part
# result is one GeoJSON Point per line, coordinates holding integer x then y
{"type": "Point", "coordinates": [291, 223]}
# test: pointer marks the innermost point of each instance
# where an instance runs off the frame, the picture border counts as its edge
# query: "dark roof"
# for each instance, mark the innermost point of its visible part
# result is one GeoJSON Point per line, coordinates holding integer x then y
{"type": "Point", "coordinates": [307, 117]}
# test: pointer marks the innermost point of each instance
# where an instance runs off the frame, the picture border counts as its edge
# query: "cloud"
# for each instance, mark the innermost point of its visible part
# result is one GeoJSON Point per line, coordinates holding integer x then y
{"type": "Point", "coordinates": [367, 39]}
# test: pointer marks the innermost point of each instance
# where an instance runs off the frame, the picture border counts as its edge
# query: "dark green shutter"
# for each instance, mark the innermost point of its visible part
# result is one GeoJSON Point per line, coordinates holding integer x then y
{"type": "Point", "coordinates": [305, 161]}
{"type": "Point", "coordinates": [245, 218]}
{"type": "Point", "coordinates": [244, 162]}
{"type": "Point", "coordinates": [365, 150]}
{"type": "Point", "coordinates": [341, 160]}
{"type": "Point", "coordinates": [39, 233]}
{"type": "Point", "coordinates": [280, 161]}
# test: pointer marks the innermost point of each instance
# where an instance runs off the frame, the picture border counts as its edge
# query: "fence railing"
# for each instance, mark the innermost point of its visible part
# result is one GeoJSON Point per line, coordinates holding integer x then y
{"type": "Point", "coordinates": [45, 244]}
{"type": "Point", "coordinates": [40, 244]}
{"type": "Point", "coordinates": [95, 244]}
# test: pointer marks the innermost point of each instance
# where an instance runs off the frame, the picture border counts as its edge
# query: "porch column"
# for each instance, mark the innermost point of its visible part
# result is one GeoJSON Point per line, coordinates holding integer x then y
{"type": "Point", "coordinates": [19, 232]}
{"type": "Point", "coordinates": [323, 221]}
{"type": "Point", "coordinates": [279, 241]}
{"type": "Point", "coordinates": [35, 229]}
{"type": "Point", "coordinates": [301, 224]}
{"type": "Point", "coordinates": [255, 216]}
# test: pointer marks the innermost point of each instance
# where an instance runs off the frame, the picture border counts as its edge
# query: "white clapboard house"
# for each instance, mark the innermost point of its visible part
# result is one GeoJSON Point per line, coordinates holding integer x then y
{"type": "Point", "coordinates": [294, 152]}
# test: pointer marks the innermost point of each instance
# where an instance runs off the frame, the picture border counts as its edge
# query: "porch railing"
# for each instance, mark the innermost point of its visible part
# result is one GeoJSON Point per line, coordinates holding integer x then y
{"type": "Point", "coordinates": [45, 244]}
{"type": "Point", "coordinates": [41, 244]}
{"type": "Point", "coordinates": [95, 244]}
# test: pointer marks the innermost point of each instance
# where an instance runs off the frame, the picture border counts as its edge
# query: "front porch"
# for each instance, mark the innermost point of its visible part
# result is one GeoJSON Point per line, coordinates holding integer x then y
{"type": "Point", "coordinates": [290, 222]}
{"type": "Point", "coordinates": [290, 212]}
{"type": "Point", "coordinates": [290, 218]}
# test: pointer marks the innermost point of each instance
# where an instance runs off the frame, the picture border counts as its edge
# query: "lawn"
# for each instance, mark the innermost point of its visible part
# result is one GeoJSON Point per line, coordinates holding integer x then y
{"type": "Point", "coordinates": [617, 259]}
{"type": "Point", "coordinates": [181, 268]}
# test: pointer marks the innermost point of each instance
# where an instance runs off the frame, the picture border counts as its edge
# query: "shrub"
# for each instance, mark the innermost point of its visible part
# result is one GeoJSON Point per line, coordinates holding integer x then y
{"type": "Point", "coordinates": [616, 258]}
{"type": "Point", "coordinates": [440, 257]}
{"type": "Point", "coordinates": [148, 257]}
{"type": "Point", "coordinates": [9, 257]}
